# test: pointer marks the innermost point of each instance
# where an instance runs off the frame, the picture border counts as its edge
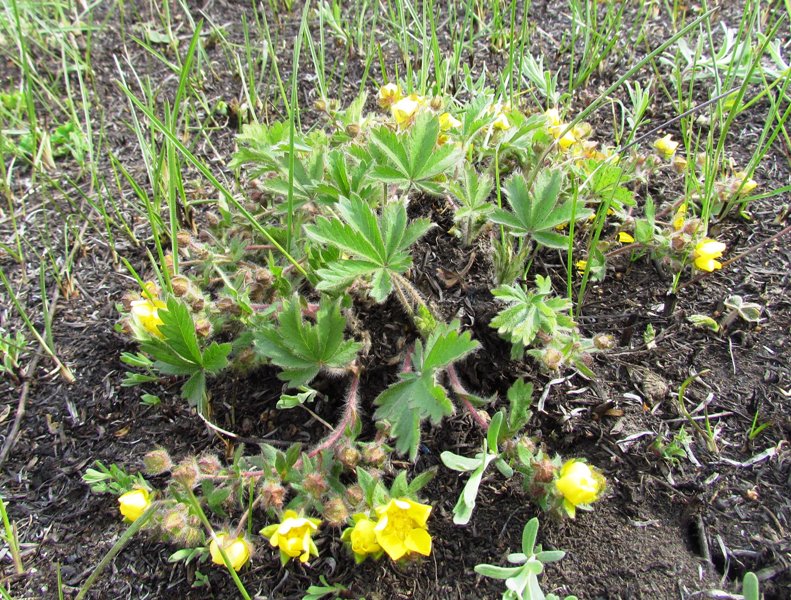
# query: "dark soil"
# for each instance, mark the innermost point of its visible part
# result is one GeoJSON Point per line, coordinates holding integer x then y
{"type": "Point", "coordinates": [662, 531]}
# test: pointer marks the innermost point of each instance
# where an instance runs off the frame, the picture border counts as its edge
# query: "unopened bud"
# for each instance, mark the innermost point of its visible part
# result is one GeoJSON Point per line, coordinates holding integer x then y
{"type": "Point", "coordinates": [272, 495]}
{"type": "Point", "coordinates": [353, 129]}
{"type": "Point", "coordinates": [335, 512]}
{"type": "Point", "coordinates": [354, 494]}
{"type": "Point", "coordinates": [320, 105]}
{"type": "Point", "coordinates": [228, 307]}
{"type": "Point", "coordinates": [315, 484]}
{"type": "Point", "coordinates": [203, 328]}
{"type": "Point", "coordinates": [552, 358]}
{"type": "Point", "coordinates": [191, 537]}
{"type": "Point", "coordinates": [181, 285]}
{"type": "Point", "coordinates": [157, 462]}
{"type": "Point", "coordinates": [603, 341]}
{"type": "Point", "coordinates": [175, 520]}
{"type": "Point", "coordinates": [691, 226]}
{"type": "Point", "coordinates": [184, 239]}
{"type": "Point", "coordinates": [209, 464]}
{"type": "Point", "coordinates": [186, 473]}
{"type": "Point", "coordinates": [264, 276]}
{"type": "Point", "coordinates": [543, 471]}
{"type": "Point", "coordinates": [349, 457]}
{"type": "Point", "coordinates": [374, 455]}
{"type": "Point", "coordinates": [436, 103]}
{"type": "Point", "coordinates": [198, 304]}
{"type": "Point", "coordinates": [167, 262]}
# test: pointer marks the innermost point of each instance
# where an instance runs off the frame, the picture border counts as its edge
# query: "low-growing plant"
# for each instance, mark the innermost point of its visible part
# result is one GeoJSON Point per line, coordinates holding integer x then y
{"type": "Point", "coordinates": [521, 581]}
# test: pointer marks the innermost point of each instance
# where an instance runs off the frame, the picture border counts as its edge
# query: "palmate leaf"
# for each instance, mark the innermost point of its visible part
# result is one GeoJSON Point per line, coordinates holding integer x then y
{"type": "Point", "coordinates": [529, 313]}
{"type": "Point", "coordinates": [418, 396]}
{"type": "Point", "coordinates": [378, 244]}
{"type": "Point", "coordinates": [303, 349]}
{"type": "Point", "coordinates": [178, 351]}
{"type": "Point", "coordinates": [412, 159]}
{"type": "Point", "coordinates": [536, 213]}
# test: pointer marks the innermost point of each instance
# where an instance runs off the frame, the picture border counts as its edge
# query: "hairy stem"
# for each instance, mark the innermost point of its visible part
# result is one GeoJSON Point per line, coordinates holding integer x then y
{"type": "Point", "coordinates": [462, 393]}
{"type": "Point", "coordinates": [348, 419]}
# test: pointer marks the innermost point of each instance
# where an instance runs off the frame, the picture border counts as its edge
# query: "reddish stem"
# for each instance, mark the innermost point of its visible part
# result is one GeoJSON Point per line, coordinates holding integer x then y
{"type": "Point", "coordinates": [349, 416]}
{"type": "Point", "coordinates": [462, 393]}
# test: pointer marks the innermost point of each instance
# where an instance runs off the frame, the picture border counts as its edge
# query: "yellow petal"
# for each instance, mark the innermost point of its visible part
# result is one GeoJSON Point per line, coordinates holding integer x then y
{"type": "Point", "coordinates": [133, 504]}
{"type": "Point", "coordinates": [418, 540]}
{"type": "Point", "coordinates": [625, 238]}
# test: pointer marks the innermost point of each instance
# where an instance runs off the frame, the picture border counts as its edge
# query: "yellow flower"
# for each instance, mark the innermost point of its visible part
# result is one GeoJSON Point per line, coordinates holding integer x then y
{"type": "Point", "coordinates": [625, 238]}
{"type": "Point", "coordinates": [553, 117]}
{"type": "Point", "coordinates": [389, 94]}
{"type": "Point", "coordinates": [567, 141]}
{"type": "Point", "coordinates": [361, 538]}
{"type": "Point", "coordinates": [706, 253]}
{"type": "Point", "coordinates": [145, 311]}
{"type": "Point", "coordinates": [401, 529]}
{"type": "Point", "coordinates": [501, 122]}
{"type": "Point", "coordinates": [447, 121]}
{"type": "Point", "coordinates": [680, 217]}
{"type": "Point", "coordinates": [134, 503]}
{"type": "Point", "coordinates": [236, 549]}
{"type": "Point", "coordinates": [578, 483]}
{"type": "Point", "coordinates": [746, 186]}
{"type": "Point", "coordinates": [293, 535]}
{"type": "Point", "coordinates": [666, 146]}
{"type": "Point", "coordinates": [405, 109]}
{"type": "Point", "coordinates": [581, 266]}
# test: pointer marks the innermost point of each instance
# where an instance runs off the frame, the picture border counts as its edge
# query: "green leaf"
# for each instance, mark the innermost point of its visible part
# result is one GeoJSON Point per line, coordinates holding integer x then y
{"type": "Point", "coordinates": [520, 397]}
{"type": "Point", "coordinates": [178, 331]}
{"type": "Point", "coordinates": [303, 349]}
{"type": "Point", "coordinates": [413, 158]}
{"type": "Point", "coordinates": [496, 572]}
{"type": "Point", "coordinates": [418, 396]}
{"type": "Point", "coordinates": [530, 312]}
{"type": "Point", "coordinates": [537, 213]}
{"type": "Point", "coordinates": [379, 245]}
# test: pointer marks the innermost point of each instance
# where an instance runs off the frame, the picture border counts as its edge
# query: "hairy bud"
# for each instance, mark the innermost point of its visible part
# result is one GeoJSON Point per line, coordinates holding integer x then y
{"type": "Point", "coordinates": [552, 358]}
{"type": "Point", "coordinates": [186, 473]}
{"type": "Point", "coordinates": [203, 328]}
{"type": "Point", "coordinates": [349, 457]}
{"type": "Point", "coordinates": [272, 495]}
{"type": "Point", "coordinates": [335, 512]}
{"type": "Point", "coordinates": [157, 462]}
{"type": "Point", "coordinates": [315, 484]}
{"type": "Point", "coordinates": [603, 341]}
{"type": "Point", "coordinates": [209, 464]}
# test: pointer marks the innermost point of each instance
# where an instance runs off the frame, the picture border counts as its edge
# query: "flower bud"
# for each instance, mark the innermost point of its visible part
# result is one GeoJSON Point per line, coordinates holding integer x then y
{"type": "Point", "coordinates": [191, 537]}
{"type": "Point", "coordinates": [353, 129]}
{"type": "Point", "coordinates": [354, 494]}
{"type": "Point", "coordinates": [335, 512]}
{"type": "Point", "coordinates": [203, 328]}
{"type": "Point", "coordinates": [603, 341]}
{"type": "Point", "coordinates": [272, 495]}
{"type": "Point", "coordinates": [374, 455]}
{"type": "Point", "coordinates": [181, 285]}
{"type": "Point", "coordinates": [186, 473]}
{"type": "Point", "coordinates": [157, 462]}
{"type": "Point", "coordinates": [228, 307]}
{"type": "Point", "coordinates": [209, 464]}
{"type": "Point", "coordinates": [175, 521]}
{"type": "Point", "coordinates": [320, 105]}
{"type": "Point", "coordinates": [436, 103]}
{"type": "Point", "coordinates": [552, 358]}
{"type": "Point", "coordinates": [184, 239]}
{"type": "Point", "coordinates": [349, 457]}
{"type": "Point", "coordinates": [197, 304]}
{"type": "Point", "coordinates": [263, 276]}
{"type": "Point", "coordinates": [543, 471]}
{"type": "Point", "coordinates": [315, 484]}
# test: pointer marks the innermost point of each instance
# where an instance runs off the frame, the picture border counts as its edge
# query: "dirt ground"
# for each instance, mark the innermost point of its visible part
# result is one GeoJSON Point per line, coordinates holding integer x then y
{"type": "Point", "coordinates": [662, 531]}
